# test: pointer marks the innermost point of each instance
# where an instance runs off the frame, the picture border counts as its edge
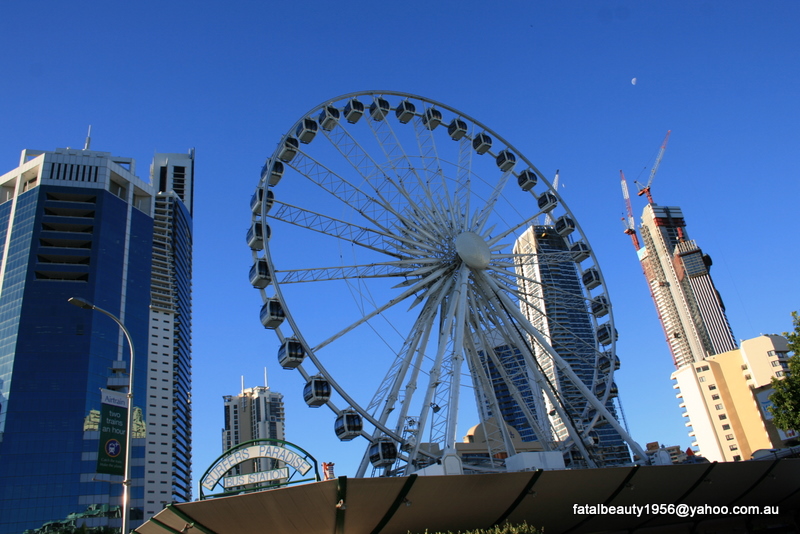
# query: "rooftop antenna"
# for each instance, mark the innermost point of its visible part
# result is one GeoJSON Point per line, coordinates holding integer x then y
{"type": "Point", "coordinates": [242, 384]}
{"type": "Point", "coordinates": [88, 139]}
{"type": "Point", "coordinates": [266, 384]}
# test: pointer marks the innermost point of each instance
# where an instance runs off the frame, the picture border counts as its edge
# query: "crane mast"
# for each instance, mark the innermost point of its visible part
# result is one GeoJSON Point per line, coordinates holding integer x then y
{"type": "Point", "coordinates": [646, 189]}
{"type": "Point", "coordinates": [630, 227]}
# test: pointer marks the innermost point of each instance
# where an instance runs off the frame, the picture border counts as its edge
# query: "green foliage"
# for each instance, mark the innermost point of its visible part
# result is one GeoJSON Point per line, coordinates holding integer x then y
{"type": "Point", "coordinates": [508, 528]}
{"type": "Point", "coordinates": [785, 399]}
{"type": "Point", "coordinates": [794, 337]}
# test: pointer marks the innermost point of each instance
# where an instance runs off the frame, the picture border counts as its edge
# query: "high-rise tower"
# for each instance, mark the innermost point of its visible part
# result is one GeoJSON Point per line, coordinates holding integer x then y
{"type": "Point", "coordinates": [256, 413]}
{"type": "Point", "coordinates": [169, 449]}
{"type": "Point", "coordinates": [80, 223]}
{"type": "Point", "coordinates": [678, 273]}
{"type": "Point", "coordinates": [556, 308]}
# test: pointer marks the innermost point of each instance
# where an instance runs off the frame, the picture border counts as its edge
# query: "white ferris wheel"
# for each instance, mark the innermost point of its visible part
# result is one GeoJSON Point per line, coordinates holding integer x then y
{"type": "Point", "coordinates": [433, 290]}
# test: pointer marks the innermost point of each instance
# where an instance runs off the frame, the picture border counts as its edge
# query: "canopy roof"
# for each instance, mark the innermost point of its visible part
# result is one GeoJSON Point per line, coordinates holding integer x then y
{"type": "Point", "coordinates": [451, 503]}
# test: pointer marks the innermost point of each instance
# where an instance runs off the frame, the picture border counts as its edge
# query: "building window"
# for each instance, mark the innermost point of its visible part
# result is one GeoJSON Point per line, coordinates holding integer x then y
{"type": "Point", "coordinates": [722, 417]}
{"type": "Point", "coordinates": [718, 406]}
{"type": "Point", "coordinates": [776, 363]}
{"type": "Point", "coordinates": [726, 427]}
{"type": "Point", "coordinates": [712, 387]}
{"type": "Point", "coordinates": [737, 458]}
{"type": "Point", "coordinates": [715, 397]}
{"type": "Point", "coordinates": [729, 437]}
{"type": "Point", "coordinates": [702, 379]}
{"type": "Point", "coordinates": [734, 447]}
{"type": "Point", "coordinates": [779, 373]}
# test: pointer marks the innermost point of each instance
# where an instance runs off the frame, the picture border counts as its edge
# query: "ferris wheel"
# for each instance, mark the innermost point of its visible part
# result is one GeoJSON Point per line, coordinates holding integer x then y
{"type": "Point", "coordinates": [433, 290]}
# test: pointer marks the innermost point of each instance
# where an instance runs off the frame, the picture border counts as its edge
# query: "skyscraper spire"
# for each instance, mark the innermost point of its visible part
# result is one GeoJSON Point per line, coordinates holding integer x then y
{"type": "Point", "coordinates": [88, 139]}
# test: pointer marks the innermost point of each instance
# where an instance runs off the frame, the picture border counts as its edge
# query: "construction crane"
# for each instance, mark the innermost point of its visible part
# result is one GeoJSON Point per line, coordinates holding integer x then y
{"type": "Point", "coordinates": [630, 227]}
{"type": "Point", "coordinates": [645, 190]}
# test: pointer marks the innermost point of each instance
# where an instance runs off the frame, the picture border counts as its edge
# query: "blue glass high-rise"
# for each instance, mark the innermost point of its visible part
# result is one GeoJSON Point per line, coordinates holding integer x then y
{"type": "Point", "coordinates": [563, 318]}
{"type": "Point", "coordinates": [73, 223]}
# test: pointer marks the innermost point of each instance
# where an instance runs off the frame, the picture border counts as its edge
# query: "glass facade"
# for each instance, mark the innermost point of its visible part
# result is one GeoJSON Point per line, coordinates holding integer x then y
{"type": "Point", "coordinates": [564, 319]}
{"type": "Point", "coordinates": [516, 372]}
{"type": "Point", "coordinates": [72, 240]}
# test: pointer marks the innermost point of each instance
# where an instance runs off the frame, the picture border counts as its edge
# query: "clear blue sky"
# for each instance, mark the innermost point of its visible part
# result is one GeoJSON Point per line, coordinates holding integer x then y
{"type": "Point", "coordinates": [553, 78]}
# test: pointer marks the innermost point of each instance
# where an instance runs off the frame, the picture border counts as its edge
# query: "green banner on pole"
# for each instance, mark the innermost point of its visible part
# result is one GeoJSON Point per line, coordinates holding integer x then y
{"type": "Point", "coordinates": [113, 424]}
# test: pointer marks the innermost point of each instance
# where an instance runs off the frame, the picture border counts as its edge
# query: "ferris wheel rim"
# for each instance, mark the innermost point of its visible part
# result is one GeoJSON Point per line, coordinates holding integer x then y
{"type": "Point", "coordinates": [352, 403]}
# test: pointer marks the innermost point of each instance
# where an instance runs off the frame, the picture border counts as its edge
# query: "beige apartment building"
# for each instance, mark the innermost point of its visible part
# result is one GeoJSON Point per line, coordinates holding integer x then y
{"type": "Point", "coordinates": [725, 399]}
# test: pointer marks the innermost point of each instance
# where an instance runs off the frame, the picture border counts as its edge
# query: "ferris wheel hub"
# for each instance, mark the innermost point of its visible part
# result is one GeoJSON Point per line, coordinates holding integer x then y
{"type": "Point", "coordinates": [473, 250]}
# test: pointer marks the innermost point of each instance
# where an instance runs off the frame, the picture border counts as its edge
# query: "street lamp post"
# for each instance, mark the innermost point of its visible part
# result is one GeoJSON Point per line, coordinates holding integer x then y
{"type": "Point", "coordinates": [126, 480]}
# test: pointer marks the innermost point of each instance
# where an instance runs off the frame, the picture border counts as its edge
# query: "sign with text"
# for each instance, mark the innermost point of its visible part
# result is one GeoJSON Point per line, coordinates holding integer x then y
{"type": "Point", "coordinates": [289, 464]}
{"type": "Point", "coordinates": [274, 475]}
{"type": "Point", "coordinates": [113, 425]}
{"type": "Point", "coordinates": [236, 457]}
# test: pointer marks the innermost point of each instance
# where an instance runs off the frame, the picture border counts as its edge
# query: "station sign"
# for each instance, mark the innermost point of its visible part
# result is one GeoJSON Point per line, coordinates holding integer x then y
{"type": "Point", "coordinates": [291, 461]}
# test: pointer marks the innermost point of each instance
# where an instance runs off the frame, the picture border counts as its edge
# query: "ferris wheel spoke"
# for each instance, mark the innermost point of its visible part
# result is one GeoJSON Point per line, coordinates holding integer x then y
{"type": "Point", "coordinates": [565, 369]}
{"type": "Point", "coordinates": [371, 208]}
{"type": "Point", "coordinates": [418, 238]}
{"type": "Point", "coordinates": [444, 375]}
{"type": "Point", "coordinates": [358, 235]}
{"type": "Point", "coordinates": [457, 354]}
{"type": "Point", "coordinates": [420, 285]}
{"type": "Point", "coordinates": [361, 162]}
{"type": "Point", "coordinates": [325, 274]}
{"type": "Point", "coordinates": [409, 359]}
{"type": "Point", "coordinates": [512, 369]}
{"type": "Point", "coordinates": [498, 438]}
{"type": "Point", "coordinates": [385, 187]}
{"type": "Point", "coordinates": [508, 311]}
{"type": "Point", "coordinates": [434, 174]}
{"type": "Point", "coordinates": [579, 346]}
{"type": "Point", "coordinates": [431, 167]}
{"type": "Point", "coordinates": [374, 175]}
{"type": "Point", "coordinates": [462, 194]}
{"type": "Point", "coordinates": [408, 179]}
{"type": "Point", "coordinates": [513, 229]}
{"type": "Point", "coordinates": [509, 273]}
{"type": "Point", "coordinates": [409, 182]}
{"type": "Point", "coordinates": [571, 346]}
{"type": "Point", "coordinates": [491, 202]}
{"type": "Point", "coordinates": [411, 427]}
{"type": "Point", "coordinates": [541, 258]}
{"type": "Point", "coordinates": [388, 391]}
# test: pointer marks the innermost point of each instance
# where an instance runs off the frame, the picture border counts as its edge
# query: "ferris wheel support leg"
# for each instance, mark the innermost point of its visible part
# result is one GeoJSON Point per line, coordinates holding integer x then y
{"type": "Point", "coordinates": [492, 293]}
{"type": "Point", "coordinates": [566, 369]}
{"type": "Point", "coordinates": [458, 354]}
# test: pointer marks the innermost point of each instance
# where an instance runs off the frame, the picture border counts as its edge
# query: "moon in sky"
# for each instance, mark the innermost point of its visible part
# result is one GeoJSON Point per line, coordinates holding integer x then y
{"type": "Point", "coordinates": [633, 81]}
